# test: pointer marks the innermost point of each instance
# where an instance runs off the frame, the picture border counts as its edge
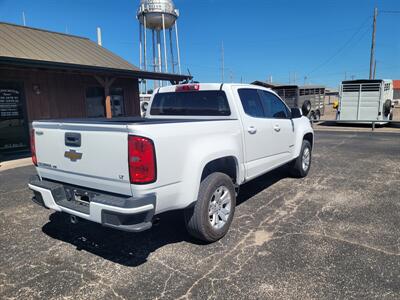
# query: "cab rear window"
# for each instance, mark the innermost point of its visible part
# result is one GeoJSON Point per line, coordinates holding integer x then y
{"type": "Point", "coordinates": [196, 103]}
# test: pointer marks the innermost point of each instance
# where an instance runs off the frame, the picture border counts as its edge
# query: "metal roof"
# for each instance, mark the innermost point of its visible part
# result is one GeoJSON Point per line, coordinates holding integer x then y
{"type": "Point", "coordinates": [32, 46]}
{"type": "Point", "coordinates": [285, 86]}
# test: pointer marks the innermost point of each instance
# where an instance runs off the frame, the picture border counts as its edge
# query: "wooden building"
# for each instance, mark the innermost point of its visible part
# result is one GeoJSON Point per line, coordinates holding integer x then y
{"type": "Point", "coordinates": [49, 75]}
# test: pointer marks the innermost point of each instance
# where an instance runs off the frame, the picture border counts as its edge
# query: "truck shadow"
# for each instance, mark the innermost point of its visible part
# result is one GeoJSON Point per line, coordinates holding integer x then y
{"type": "Point", "coordinates": [134, 249]}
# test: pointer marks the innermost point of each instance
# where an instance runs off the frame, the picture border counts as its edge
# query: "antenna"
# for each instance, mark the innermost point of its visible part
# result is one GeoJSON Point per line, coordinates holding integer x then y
{"type": "Point", "coordinates": [190, 74]}
{"type": "Point", "coordinates": [23, 18]}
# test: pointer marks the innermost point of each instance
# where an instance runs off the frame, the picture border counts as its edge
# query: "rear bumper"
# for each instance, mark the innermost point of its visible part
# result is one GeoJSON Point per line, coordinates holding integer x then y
{"type": "Point", "coordinates": [132, 214]}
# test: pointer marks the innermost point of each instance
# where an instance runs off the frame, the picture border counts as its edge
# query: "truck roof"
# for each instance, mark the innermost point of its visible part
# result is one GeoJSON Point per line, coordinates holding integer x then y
{"type": "Point", "coordinates": [205, 86]}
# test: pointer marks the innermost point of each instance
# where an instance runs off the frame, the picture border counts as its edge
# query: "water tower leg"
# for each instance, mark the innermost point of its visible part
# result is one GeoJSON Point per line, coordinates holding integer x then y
{"type": "Point", "coordinates": [165, 46]}
{"type": "Point", "coordinates": [154, 50]}
{"type": "Point", "coordinates": [140, 55]}
{"type": "Point", "coordinates": [155, 85]}
{"type": "Point", "coordinates": [178, 52]}
{"type": "Point", "coordinates": [159, 52]}
{"type": "Point", "coordinates": [145, 50]}
{"type": "Point", "coordinates": [172, 51]}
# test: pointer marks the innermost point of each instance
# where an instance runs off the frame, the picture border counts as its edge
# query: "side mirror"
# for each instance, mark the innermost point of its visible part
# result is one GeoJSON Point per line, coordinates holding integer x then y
{"type": "Point", "coordinates": [296, 113]}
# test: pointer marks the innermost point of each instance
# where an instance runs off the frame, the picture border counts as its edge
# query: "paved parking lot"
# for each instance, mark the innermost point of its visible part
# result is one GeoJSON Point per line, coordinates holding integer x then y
{"type": "Point", "coordinates": [335, 234]}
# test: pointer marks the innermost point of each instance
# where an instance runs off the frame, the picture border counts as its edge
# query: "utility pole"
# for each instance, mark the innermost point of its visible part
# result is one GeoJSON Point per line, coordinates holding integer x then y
{"type": "Point", "coordinates": [374, 70]}
{"type": "Point", "coordinates": [222, 63]}
{"type": "Point", "coordinates": [305, 80]}
{"type": "Point", "coordinates": [372, 59]}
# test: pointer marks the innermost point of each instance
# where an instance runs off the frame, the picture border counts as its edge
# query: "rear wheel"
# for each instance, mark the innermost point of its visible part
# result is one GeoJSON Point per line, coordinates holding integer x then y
{"type": "Point", "coordinates": [317, 115]}
{"type": "Point", "coordinates": [387, 107]}
{"type": "Point", "coordinates": [302, 164]}
{"type": "Point", "coordinates": [312, 116]}
{"type": "Point", "coordinates": [211, 216]}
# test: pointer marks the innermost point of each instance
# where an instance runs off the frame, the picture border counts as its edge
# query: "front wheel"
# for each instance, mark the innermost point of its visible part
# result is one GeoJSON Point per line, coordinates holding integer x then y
{"type": "Point", "coordinates": [302, 164]}
{"type": "Point", "coordinates": [211, 216]}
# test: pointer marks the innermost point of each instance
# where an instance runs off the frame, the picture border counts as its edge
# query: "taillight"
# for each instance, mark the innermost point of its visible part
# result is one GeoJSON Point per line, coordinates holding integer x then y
{"type": "Point", "coordinates": [187, 87]}
{"type": "Point", "coordinates": [33, 147]}
{"type": "Point", "coordinates": [142, 160]}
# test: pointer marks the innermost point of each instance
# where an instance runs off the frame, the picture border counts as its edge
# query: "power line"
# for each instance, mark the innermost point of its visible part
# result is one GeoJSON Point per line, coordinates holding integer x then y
{"type": "Point", "coordinates": [390, 11]}
{"type": "Point", "coordinates": [341, 48]}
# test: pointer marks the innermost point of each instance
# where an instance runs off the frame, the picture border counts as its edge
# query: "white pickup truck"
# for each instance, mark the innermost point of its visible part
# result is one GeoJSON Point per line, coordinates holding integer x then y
{"type": "Point", "coordinates": [197, 144]}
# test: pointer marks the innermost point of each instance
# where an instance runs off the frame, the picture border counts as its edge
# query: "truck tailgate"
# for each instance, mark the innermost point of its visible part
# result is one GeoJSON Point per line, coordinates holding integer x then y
{"type": "Point", "coordinates": [90, 155]}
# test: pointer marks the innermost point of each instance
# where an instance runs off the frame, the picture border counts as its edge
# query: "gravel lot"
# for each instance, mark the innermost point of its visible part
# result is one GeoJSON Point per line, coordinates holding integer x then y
{"type": "Point", "coordinates": [335, 234]}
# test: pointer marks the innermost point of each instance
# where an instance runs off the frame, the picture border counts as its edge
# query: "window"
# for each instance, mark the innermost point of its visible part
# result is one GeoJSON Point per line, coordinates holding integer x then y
{"type": "Point", "coordinates": [95, 102]}
{"type": "Point", "coordinates": [273, 106]}
{"type": "Point", "coordinates": [13, 123]}
{"type": "Point", "coordinates": [198, 103]}
{"type": "Point", "coordinates": [117, 102]}
{"type": "Point", "coordinates": [251, 102]}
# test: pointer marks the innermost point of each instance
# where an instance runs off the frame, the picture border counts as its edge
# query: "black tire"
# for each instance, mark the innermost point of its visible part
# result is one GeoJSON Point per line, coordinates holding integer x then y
{"type": "Point", "coordinates": [312, 117]}
{"type": "Point", "coordinates": [296, 167]}
{"type": "Point", "coordinates": [387, 107]}
{"type": "Point", "coordinates": [306, 107]}
{"type": "Point", "coordinates": [197, 217]}
{"type": "Point", "coordinates": [317, 115]}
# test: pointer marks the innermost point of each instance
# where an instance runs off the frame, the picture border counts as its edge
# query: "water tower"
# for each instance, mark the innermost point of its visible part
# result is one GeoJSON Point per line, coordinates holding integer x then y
{"type": "Point", "coordinates": [156, 17]}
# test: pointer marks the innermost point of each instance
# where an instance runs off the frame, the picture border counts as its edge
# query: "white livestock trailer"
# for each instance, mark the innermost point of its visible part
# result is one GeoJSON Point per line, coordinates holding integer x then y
{"type": "Point", "coordinates": [366, 100]}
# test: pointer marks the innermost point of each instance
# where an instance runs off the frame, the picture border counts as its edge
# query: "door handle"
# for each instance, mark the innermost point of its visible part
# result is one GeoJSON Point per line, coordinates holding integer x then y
{"type": "Point", "coordinates": [252, 130]}
{"type": "Point", "coordinates": [277, 128]}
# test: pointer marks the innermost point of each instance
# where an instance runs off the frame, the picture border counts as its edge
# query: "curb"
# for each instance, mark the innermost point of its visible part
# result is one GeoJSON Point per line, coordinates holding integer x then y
{"type": "Point", "coordinates": [17, 163]}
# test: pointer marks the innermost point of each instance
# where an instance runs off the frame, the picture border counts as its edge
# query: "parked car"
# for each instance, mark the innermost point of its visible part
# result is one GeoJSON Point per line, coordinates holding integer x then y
{"type": "Point", "coordinates": [366, 100]}
{"type": "Point", "coordinates": [196, 146]}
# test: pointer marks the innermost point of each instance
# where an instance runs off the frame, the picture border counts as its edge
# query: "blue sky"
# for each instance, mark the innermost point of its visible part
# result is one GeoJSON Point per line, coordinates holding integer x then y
{"type": "Point", "coordinates": [322, 40]}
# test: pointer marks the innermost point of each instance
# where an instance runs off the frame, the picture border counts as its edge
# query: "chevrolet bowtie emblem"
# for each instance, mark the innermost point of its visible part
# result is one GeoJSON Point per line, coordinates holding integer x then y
{"type": "Point", "coordinates": [73, 155]}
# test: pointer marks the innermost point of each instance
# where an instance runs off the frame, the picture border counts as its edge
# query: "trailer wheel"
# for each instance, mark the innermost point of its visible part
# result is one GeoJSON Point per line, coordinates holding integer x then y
{"type": "Point", "coordinates": [306, 107]}
{"type": "Point", "coordinates": [211, 216]}
{"type": "Point", "coordinates": [317, 115]}
{"type": "Point", "coordinates": [387, 107]}
{"type": "Point", "coordinates": [312, 116]}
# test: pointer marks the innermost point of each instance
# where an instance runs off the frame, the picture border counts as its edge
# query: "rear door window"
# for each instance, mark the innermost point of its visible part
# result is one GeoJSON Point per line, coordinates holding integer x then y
{"type": "Point", "coordinates": [251, 102]}
{"type": "Point", "coordinates": [273, 106]}
{"type": "Point", "coordinates": [198, 103]}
